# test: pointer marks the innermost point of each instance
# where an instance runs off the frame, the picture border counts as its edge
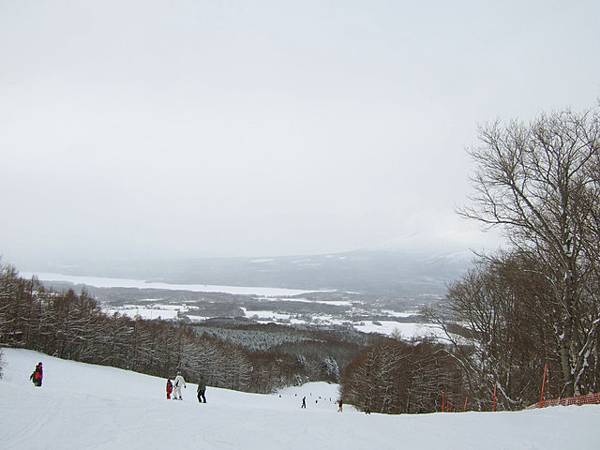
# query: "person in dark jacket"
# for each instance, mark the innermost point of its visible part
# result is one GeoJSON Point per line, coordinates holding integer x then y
{"type": "Point", "coordinates": [201, 390]}
{"type": "Point", "coordinates": [169, 388]}
{"type": "Point", "coordinates": [37, 375]}
{"type": "Point", "coordinates": [303, 402]}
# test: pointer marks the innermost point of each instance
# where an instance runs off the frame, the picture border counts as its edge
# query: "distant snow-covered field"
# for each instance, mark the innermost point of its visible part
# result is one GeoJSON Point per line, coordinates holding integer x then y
{"type": "Point", "coordinates": [406, 330]}
{"type": "Point", "coordinates": [84, 406]}
{"type": "Point", "coordinates": [386, 327]}
{"type": "Point", "coordinates": [159, 310]}
{"type": "Point", "coordinates": [305, 300]}
{"type": "Point", "coordinates": [154, 311]}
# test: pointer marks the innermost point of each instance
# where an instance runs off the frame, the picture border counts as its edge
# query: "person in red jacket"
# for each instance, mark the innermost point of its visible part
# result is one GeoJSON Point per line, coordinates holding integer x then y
{"type": "Point", "coordinates": [37, 375]}
{"type": "Point", "coordinates": [169, 388]}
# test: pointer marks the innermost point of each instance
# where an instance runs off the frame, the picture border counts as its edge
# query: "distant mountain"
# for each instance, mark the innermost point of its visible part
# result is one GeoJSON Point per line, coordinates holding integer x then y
{"type": "Point", "coordinates": [379, 272]}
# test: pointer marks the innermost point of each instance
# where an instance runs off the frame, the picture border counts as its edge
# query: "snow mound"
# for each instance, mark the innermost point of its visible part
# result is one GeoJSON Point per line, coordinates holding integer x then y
{"type": "Point", "coordinates": [84, 406]}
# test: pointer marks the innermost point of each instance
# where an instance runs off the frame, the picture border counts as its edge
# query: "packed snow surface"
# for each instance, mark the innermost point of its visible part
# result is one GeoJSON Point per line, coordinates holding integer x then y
{"type": "Point", "coordinates": [83, 406]}
{"type": "Point", "coordinates": [104, 282]}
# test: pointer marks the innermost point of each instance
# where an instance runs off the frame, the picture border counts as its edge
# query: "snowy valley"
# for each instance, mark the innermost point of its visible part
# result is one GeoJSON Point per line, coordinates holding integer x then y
{"type": "Point", "coordinates": [321, 309]}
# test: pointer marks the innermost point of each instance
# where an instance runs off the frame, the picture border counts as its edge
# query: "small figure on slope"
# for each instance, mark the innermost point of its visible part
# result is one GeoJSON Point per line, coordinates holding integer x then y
{"type": "Point", "coordinates": [37, 375]}
{"type": "Point", "coordinates": [169, 388]}
{"type": "Point", "coordinates": [201, 390]}
{"type": "Point", "coordinates": [179, 381]}
{"type": "Point", "coordinates": [340, 405]}
{"type": "Point", "coordinates": [303, 402]}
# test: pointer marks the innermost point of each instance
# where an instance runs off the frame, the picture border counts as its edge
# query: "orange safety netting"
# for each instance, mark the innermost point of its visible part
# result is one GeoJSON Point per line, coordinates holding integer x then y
{"type": "Point", "coordinates": [589, 399]}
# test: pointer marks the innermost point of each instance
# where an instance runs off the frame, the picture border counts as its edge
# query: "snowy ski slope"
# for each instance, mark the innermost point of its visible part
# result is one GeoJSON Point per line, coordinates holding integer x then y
{"type": "Point", "coordinates": [83, 406]}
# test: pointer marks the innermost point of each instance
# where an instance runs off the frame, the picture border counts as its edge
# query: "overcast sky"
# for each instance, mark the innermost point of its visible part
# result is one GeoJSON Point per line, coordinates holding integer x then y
{"type": "Point", "coordinates": [197, 128]}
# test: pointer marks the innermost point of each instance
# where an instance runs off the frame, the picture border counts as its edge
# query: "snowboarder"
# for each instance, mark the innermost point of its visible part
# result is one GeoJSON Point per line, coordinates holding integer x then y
{"type": "Point", "coordinates": [340, 404]}
{"type": "Point", "coordinates": [179, 381]}
{"type": "Point", "coordinates": [201, 390]}
{"type": "Point", "coordinates": [169, 388]}
{"type": "Point", "coordinates": [303, 402]}
{"type": "Point", "coordinates": [37, 375]}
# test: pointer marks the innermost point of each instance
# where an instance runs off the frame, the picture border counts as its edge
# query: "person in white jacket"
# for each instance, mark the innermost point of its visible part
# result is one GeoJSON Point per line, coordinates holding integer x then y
{"type": "Point", "coordinates": [177, 383]}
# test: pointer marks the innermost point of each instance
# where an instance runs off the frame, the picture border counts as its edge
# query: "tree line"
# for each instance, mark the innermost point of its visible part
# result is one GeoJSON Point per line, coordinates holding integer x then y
{"type": "Point", "coordinates": [396, 377]}
{"type": "Point", "coordinates": [531, 305]}
{"type": "Point", "coordinates": [538, 301]}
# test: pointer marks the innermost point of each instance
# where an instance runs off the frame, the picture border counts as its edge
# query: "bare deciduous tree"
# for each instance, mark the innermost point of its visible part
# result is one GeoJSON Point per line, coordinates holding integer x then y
{"type": "Point", "coordinates": [541, 183]}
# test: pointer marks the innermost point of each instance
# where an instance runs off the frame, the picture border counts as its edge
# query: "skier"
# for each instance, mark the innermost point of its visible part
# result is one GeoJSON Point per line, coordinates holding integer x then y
{"type": "Point", "coordinates": [37, 375]}
{"type": "Point", "coordinates": [169, 388]}
{"type": "Point", "coordinates": [33, 375]}
{"type": "Point", "coordinates": [303, 402]}
{"type": "Point", "coordinates": [179, 381]}
{"type": "Point", "coordinates": [201, 390]}
{"type": "Point", "coordinates": [340, 404]}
